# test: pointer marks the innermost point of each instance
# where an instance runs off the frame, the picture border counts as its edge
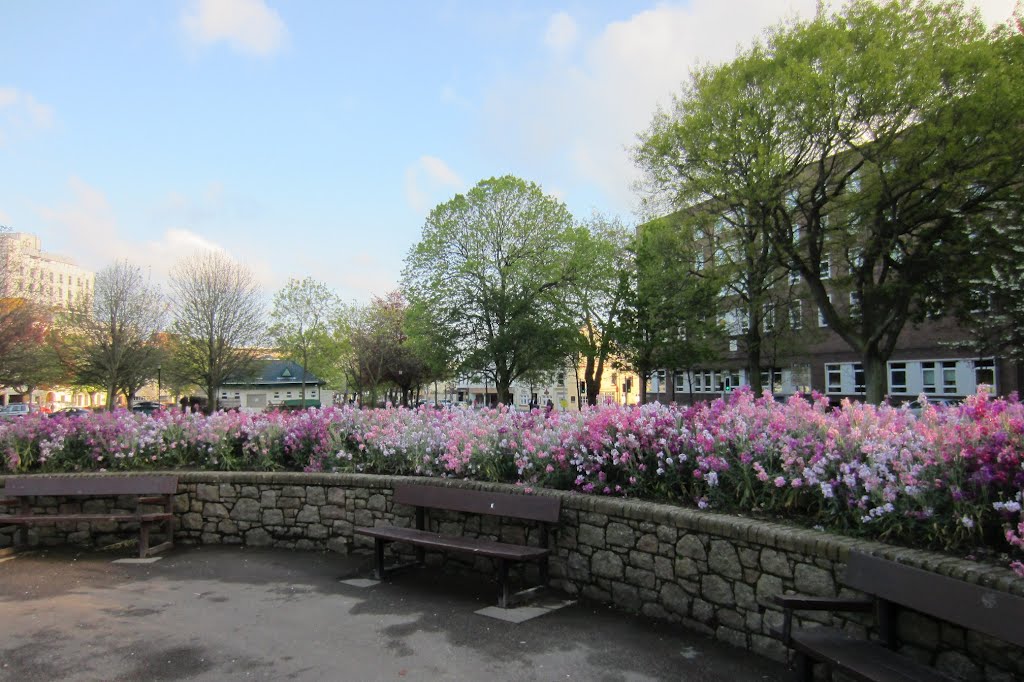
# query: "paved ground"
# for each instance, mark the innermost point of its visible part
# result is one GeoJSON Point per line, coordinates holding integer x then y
{"type": "Point", "coordinates": [242, 614]}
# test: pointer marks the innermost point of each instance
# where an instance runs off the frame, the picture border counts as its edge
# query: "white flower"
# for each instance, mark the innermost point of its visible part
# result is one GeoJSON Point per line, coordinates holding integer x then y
{"type": "Point", "coordinates": [967, 521]}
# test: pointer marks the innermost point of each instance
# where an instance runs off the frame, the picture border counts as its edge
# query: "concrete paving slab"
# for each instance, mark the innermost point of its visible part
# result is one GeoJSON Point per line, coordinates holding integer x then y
{"type": "Point", "coordinates": [147, 560]}
{"type": "Point", "coordinates": [221, 613]}
{"type": "Point", "coordinates": [360, 582]}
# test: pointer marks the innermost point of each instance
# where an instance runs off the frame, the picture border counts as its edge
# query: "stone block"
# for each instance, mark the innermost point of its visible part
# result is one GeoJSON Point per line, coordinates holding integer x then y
{"type": "Point", "coordinates": [250, 491]}
{"type": "Point", "coordinates": [730, 618]}
{"type": "Point", "coordinates": [210, 539]}
{"type": "Point", "coordinates": [246, 510]}
{"type": "Point", "coordinates": [620, 535]}
{"type": "Point", "coordinates": [594, 519]}
{"type": "Point", "coordinates": [814, 581]}
{"type": "Point", "coordinates": [768, 587]}
{"type": "Point", "coordinates": [315, 494]}
{"type": "Point", "coordinates": [293, 491]}
{"type": "Point", "coordinates": [591, 535]}
{"type": "Point", "coordinates": [227, 527]}
{"type": "Point", "coordinates": [675, 599]}
{"type": "Point", "coordinates": [336, 495]}
{"type": "Point", "coordinates": [723, 559]}
{"type": "Point", "coordinates": [268, 498]}
{"type": "Point", "coordinates": [273, 517]}
{"type": "Point", "coordinates": [289, 502]}
{"type": "Point", "coordinates": [647, 543]}
{"type": "Point", "coordinates": [690, 546]}
{"type": "Point", "coordinates": [744, 593]}
{"type": "Point", "coordinates": [363, 518]}
{"type": "Point", "coordinates": [641, 560]}
{"type": "Point", "coordinates": [625, 596]}
{"type": "Point", "coordinates": [663, 568]}
{"type": "Point", "coordinates": [640, 577]}
{"type": "Point", "coordinates": [308, 514]}
{"type": "Point", "coordinates": [181, 503]}
{"type": "Point", "coordinates": [687, 568]}
{"type": "Point", "coordinates": [95, 507]}
{"type": "Point", "coordinates": [215, 510]}
{"type": "Point", "coordinates": [317, 531]}
{"type": "Point", "coordinates": [257, 537]}
{"type": "Point", "coordinates": [338, 545]}
{"type": "Point", "coordinates": [227, 491]}
{"type": "Point", "coordinates": [607, 565]}
{"type": "Point", "coordinates": [376, 502]}
{"type": "Point", "coordinates": [717, 590]}
{"type": "Point", "coordinates": [191, 521]}
{"type": "Point", "coordinates": [331, 512]}
{"type": "Point", "coordinates": [667, 534]}
{"type": "Point", "coordinates": [737, 638]}
{"type": "Point", "coordinates": [776, 563]}
{"type": "Point", "coordinates": [207, 493]}
{"type": "Point", "coordinates": [703, 612]}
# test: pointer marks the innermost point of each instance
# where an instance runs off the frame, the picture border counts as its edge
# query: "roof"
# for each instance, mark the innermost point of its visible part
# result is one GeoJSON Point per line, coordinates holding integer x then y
{"type": "Point", "coordinates": [273, 373]}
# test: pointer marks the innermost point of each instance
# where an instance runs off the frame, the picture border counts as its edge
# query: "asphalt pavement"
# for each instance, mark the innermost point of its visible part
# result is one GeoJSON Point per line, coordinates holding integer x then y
{"type": "Point", "coordinates": [222, 613]}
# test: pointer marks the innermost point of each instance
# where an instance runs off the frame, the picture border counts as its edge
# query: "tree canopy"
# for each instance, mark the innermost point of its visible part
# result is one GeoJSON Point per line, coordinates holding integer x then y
{"type": "Point", "coordinates": [491, 268]}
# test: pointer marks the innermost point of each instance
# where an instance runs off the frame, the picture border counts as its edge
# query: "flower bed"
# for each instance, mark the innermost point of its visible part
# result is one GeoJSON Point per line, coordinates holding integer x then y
{"type": "Point", "coordinates": [950, 479]}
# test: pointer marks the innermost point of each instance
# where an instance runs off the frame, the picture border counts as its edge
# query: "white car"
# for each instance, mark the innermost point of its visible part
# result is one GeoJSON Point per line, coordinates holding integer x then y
{"type": "Point", "coordinates": [15, 410]}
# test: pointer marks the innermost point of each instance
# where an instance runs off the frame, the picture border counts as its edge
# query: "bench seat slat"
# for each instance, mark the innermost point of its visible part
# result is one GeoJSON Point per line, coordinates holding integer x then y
{"type": "Point", "coordinates": [35, 485]}
{"type": "Point", "coordinates": [6, 519]}
{"type": "Point", "coordinates": [862, 659]}
{"type": "Point", "coordinates": [432, 540]}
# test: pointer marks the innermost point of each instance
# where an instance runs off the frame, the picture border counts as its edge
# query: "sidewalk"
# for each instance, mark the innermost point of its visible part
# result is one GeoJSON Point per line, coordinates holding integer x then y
{"type": "Point", "coordinates": [217, 613]}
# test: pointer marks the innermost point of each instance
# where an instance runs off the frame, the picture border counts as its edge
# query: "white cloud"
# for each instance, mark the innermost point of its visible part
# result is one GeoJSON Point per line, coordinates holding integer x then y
{"type": "Point", "coordinates": [427, 179]}
{"type": "Point", "coordinates": [561, 32]}
{"type": "Point", "coordinates": [583, 114]}
{"type": "Point", "coordinates": [248, 26]}
{"type": "Point", "coordinates": [22, 114]}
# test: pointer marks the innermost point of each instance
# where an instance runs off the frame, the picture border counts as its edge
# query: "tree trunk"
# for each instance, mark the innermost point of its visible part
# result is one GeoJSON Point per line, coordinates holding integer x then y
{"type": "Point", "coordinates": [875, 379]}
{"type": "Point", "coordinates": [754, 357]}
{"type": "Point", "coordinates": [111, 397]}
{"type": "Point", "coordinates": [211, 399]}
{"type": "Point", "coordinates": [643, 373]}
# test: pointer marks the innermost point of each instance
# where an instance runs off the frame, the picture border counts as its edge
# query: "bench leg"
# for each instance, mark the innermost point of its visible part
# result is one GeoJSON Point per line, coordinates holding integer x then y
{"type": "Point", "coordinates": [542, 570]}
{"type": "Point", "coordinates": [421, 556]}
{"type": "Point", "coordinates": [143, 540]}
{"type": "Point", "coordinates": [379, 552]}
{"type": "Point", "coordinates": [804, 668]}
{"type": "Point", "coordinates": [503, 589]}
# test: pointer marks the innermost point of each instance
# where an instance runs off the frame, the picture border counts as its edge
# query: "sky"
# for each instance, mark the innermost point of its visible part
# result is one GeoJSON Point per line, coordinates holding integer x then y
{"type": "Point", "coordinates": [312, 138]}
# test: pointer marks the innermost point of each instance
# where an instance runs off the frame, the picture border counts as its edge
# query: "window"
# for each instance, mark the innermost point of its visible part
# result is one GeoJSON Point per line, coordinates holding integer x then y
{"type": "Point", "coordinates": [856, 257]}
{"type": "Point", "coordinates": [949, 376]}
{"type": "Point", "coordinates": [985, 373]}
{"type": "Point", "coordinates": [734, 345]}
{"type": "Point", "coordinates": [833, 379]}
{"type": "Point", "coordinates": [897, 377]}
{"type": "Point", "coordinates": [822, 322]}
{"type": "Point", "coordinates": [796, 315]}
{"type": "Point", "coordinates": [698, 261]}
{"type": "Point", "coordinates": [854, 304]}
{"type": "Point", "coordinates": [768, 317]}
{"type": "Point", "coordinates": [928, 377]}
{"type": "Point", "coordinates": [859, 385]}
{"type": "Point", "coordinates": [825, 268]}
{"type": "Point", "coordinates": [277, 395]}
{"type": "Point", "coordinates": [794, 277]}
{"type": "Point", "coordinates": [771, 379]}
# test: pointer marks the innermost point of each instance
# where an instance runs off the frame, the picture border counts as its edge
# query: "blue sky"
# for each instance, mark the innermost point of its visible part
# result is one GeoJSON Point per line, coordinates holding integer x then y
{"type": "Point", "coordinates": [312, 138]}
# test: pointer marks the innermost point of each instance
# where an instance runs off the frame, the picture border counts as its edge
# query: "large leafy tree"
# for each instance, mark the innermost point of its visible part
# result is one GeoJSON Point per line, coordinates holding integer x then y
{"type": "Point", "coordinates": [670, 317]}
{"type": "Point", "coordinates": [219, 323]}
{"type": "Point", "coordinates": [111, 336]}
{"type": "Point", "coordinates": [492, 268]}
{"type": "Point", "coordinates": [873, 137]}
{"type": "Point", "coordinates": [597, 296]}
{"type": "Point", "coordinates": [301, 326]}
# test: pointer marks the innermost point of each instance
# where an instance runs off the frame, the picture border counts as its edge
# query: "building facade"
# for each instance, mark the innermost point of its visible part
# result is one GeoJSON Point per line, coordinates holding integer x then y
{"type": "Point", "coordinates": [43, 277]}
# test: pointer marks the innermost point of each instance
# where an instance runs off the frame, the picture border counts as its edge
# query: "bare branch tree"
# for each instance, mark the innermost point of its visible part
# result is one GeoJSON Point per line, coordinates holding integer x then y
{"type": "Point", "coordinates": [218, 319]}
{"type": "Point", "coordinates": [111, 338]}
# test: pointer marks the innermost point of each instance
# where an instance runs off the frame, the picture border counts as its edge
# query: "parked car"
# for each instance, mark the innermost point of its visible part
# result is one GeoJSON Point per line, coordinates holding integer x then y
{"type": "Point", "coordinates": [16, 410]}
{"type": "Point", "coordinates": [147, 407]}
{"type": "Point", "coordinates": [70, 412]}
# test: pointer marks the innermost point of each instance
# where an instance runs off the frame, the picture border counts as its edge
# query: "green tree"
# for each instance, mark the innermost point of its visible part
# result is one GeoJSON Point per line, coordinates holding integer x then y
{"type": "Point", "coordinates": [300, 326]}
{"type": "Point", "coordinates": [219, 323]}
{"type": "Point", "coordinates": [492, 268]}
{"type": "Point", "coordinates": [597, 295]}
{"type": "Point", "coordinates": [870, 138]}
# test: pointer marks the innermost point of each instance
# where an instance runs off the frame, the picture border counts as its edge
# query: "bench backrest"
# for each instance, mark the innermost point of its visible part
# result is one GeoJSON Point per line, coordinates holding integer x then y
{"type": "Point", "coordinates": [974, 607]}
{"type": "Point", "coordinates": [24, 486]}
{"type": "Point", "coordinates": [480, 502]}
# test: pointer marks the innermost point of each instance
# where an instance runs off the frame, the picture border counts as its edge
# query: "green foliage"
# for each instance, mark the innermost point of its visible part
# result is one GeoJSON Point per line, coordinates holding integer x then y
{"type": "Point", "coordinates": [491, 271]}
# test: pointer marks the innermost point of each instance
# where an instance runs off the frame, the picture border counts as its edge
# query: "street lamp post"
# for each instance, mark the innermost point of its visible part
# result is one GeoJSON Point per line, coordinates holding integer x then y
{"type": "Point", "coordinates": [159, 384]}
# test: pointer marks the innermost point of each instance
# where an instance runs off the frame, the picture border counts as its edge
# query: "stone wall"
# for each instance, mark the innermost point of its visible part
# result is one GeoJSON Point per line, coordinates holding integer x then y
{"type": "Point", "coordinates": [712, 573]}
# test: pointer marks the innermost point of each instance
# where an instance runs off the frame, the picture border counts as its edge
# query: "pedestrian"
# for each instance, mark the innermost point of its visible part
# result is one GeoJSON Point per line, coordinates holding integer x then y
{"type": "Point", "coordinates": [534, 404]}
{"type": "Point", "coordinates": [549, 408]}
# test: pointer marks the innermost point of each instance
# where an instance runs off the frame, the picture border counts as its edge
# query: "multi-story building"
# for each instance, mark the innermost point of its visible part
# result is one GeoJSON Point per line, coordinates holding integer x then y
{"type": "Point", "coordinates": [43, 277]}
{"type": "Point", "coordinates": [800, 353]}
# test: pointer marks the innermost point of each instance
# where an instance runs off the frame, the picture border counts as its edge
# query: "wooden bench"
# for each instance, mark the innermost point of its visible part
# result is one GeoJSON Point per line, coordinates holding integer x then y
{"type": "Point", "coordinates": [148, 490]}
{"type": "Point", "coordinates": [543, 510]}
{"type": "Point", "coordinates": [891, 586]}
